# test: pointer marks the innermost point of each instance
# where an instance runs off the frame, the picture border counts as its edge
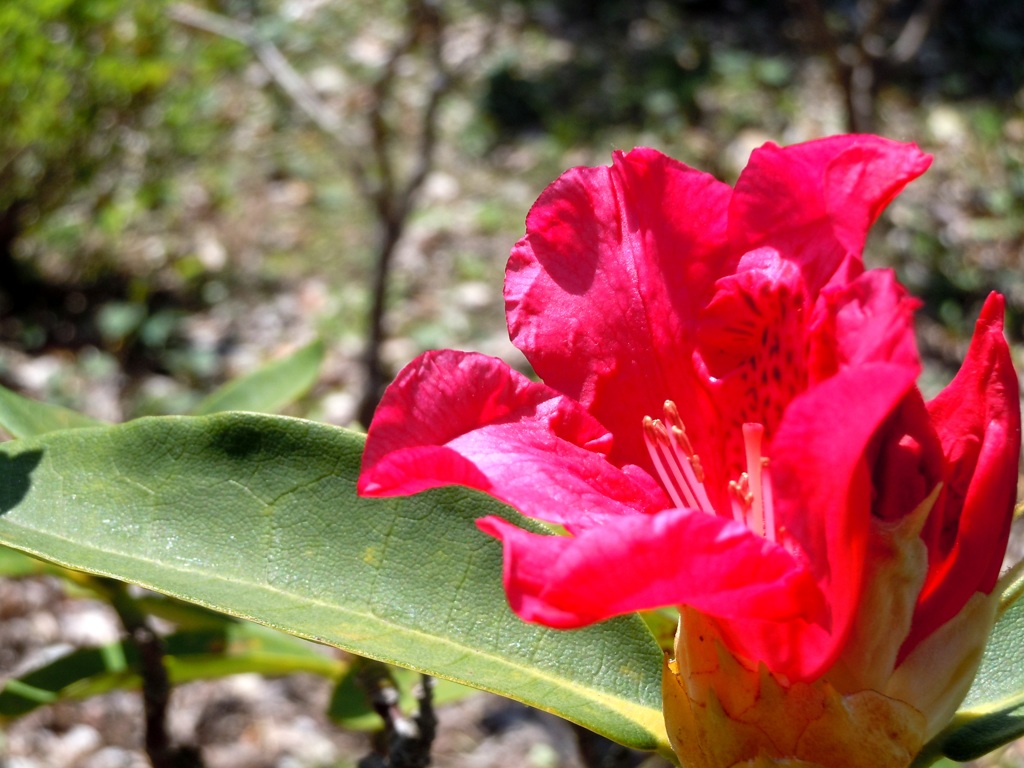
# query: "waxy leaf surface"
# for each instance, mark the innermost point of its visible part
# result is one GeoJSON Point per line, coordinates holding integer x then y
{"type": "Point", "coordinates": [257, 516]}
{"type": "Point", "coordinates": [993, 712]}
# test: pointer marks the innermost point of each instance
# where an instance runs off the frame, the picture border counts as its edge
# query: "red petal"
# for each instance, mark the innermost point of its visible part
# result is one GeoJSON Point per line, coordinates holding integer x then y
{"type": "Point", "coordinates": [977, 418]}
{"type": "Point", "coordinates": [824, 491]}
{"type": "Point", "coordinates": [759, 304]}
{"type": "Point", "coordinates": [636, 563]}
{"type": "Point", "coordinates": [752, 337]}
{"type": "Point", "coordinates": [602, 291]}
{"type": "Point", "coordinates": [906, 460]}
{"type": "Point", "coordinates": [467, 419]}
{"type": "Point", "coordinates": [815, 202]}
{"type": "Point", "coordinates": [868, 320]}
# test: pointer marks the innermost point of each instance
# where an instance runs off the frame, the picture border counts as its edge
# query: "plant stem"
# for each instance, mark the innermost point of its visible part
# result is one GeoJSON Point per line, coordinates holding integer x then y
{"type": "Point", "coordinates": [156, 686]}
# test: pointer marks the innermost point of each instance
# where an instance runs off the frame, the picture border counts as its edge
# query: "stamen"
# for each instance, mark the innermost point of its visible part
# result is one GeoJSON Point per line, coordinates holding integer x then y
{"type": "Point", "coordinates": [741, 489]}
{"type": "Point", "coordinates": [767, 501]}
{"type": "Point", "coordinates": [653, 430]}
{"type": "Point", "coordinates": [698, 469]}
{"type": "Point", "coordinates": [675, 422]}
{"type": "Point", "coordinates": [678, 466]}
{"type": "Point", "coordinates": [682, 474]}
{"type": "Point", "coordinates": [683, 449]}
{"type": "Point", "coordinates": [741, 498]}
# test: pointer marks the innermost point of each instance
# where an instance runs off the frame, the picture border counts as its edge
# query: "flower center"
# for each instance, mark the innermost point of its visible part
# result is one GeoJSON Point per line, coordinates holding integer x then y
{"type": "Point", "coordinates": [682, 475]}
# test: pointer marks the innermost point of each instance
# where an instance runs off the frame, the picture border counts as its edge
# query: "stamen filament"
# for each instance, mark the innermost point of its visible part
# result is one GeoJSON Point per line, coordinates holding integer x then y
{"type": "Point", "coordinates": [768, 502]}
{"type": "Point", "coordinates": [677, 464]}
{"type": "Point", "coordinates": [652, 441]}
{"type": "Point", "coordinates": [685, 479]}
{"type": "Point", "coordinates": [690, 464]}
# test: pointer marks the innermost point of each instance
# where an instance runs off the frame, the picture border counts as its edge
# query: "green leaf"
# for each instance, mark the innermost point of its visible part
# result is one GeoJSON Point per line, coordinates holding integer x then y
{"type": "Point", "coordinates": [15, 565]}
{"type": "Point", "coordinates": [235, 648]}
{"type": "Point", "coordinates": [993, 712]}
{"type": "Point", "coordinates": [23, 417]}
{"type": "Point", "coordinates": [270, 388]}
{"type": "Point", "coordinates": [185, 615]}
{"type": "Point", "coordinates": [258, 516]}
{"type": "Point", "coordinates": [662, 624]}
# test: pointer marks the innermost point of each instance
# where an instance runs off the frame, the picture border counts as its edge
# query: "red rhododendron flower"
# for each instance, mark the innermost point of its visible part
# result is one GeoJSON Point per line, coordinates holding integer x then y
{"type": "Point", "coordinates": [728, 418]}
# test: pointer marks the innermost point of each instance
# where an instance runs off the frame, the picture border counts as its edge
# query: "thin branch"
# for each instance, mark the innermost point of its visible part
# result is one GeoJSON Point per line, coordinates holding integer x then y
{"type": "Point", "coordinates": [821, 35]}
{"type": "Point", "coordinates": [915, 32]}
{"type": "Point", "coordinates": [269, 55]}
{"type": "Point", "coordinates": [852, 68]}
{"type": "Point", "coordinates": [423, 21]}
{"type": "Point", "coordinates": [156, 686]}
{"type": "Point", "coordinates": [855, 62]}
{"type": "Point", "coordinates": [374, 171]}
{"type": "Point", "coordinates": [412, 749]}
{"type": "Point", "coordinates": [439, 85]}
{"type": "Point", "coordinates": [395, 201]}
{"type": "Point", "coordinates": [407, 740]}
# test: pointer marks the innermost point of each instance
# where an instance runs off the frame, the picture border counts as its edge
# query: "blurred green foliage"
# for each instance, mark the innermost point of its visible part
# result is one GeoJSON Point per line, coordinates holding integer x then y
{"type": "Point", "coordinates": [104, 104]}
{"type": "Point", "coordinates": [94, 95]}
{"type": "Point", "coordinates": [75, 71]}
{"type": "Point", "coordinates": [639, 62]}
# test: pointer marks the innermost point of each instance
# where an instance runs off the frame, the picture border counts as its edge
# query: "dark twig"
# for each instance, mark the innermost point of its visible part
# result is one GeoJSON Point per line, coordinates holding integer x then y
{"type": "Point", "coordinates": [406, 740]}
{"type": "Point", "coordinates": [596, 751]}
{"type": "Point", "coordinates": [855, 62]}
{"type": "Point", "coordinates": [374, 168]}
{"type": "Point", "coordinates": [156, 686]}
{"type": "Point", "coordinates": [394, 200]}
{"type": "Point", "coordinates": [851, 67]}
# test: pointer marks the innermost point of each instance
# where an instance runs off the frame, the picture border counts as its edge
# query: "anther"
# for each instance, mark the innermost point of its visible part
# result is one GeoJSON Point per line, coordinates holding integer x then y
{"type": "Point", "coordinates": [741, 489]}
{"type": "Point", "coordinates": [698, 469]}
{"type": "Point", "coordinates": [676, 427]}
{"type": "Point", "coordinates": [761, 513]}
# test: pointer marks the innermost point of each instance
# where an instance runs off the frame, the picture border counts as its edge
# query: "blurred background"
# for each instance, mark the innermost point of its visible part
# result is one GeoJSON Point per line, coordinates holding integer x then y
{"type": "Point", "coordinates": [191, 190]}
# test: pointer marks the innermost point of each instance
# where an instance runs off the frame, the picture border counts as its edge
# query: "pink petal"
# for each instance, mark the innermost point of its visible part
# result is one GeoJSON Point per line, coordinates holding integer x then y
{"type": "Point", "coordinates": [823, 490]}
{"type": "Point", "coordinates": [977, 418]}
{"type": "Point", "coordinates": [602, 291]}
{"type": "Point", "coordinates": [637, 563]}
{"type": "Point", "coordinates": [467, 419]}
{"type": "Point", "coordinates": [815, 202]}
